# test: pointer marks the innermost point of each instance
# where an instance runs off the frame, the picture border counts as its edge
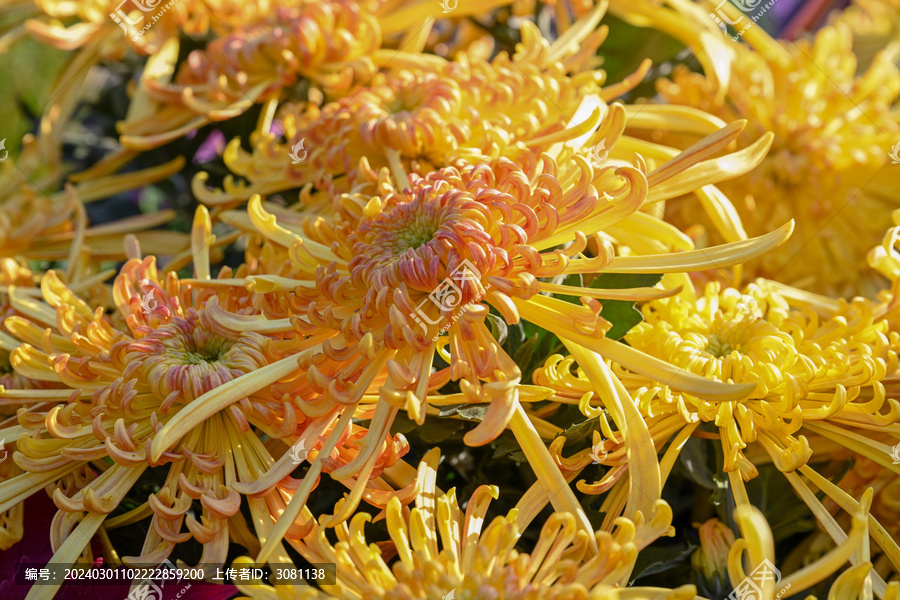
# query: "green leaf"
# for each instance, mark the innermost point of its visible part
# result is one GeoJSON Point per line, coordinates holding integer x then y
{"type": "Point", "coordinates": [499, 328]}
{"type": "Point", "coordinates": [621, 313]}
{"type": "Point", "coordinates": [658, 559]}
{"type": "Point", "coordinates": [508, 446]}
{"type": "Point", "coordinates": [449, 411]}
{"type": "Point", "coordinates": [524, 353]}
{"type": "Point", "coordinates": [581, 435]}
{"type": "Point", "coordinates": [473, 412]}
{"type": "Point", "coordinates": [433, 431]}
{"type": "Point", "coordinates": [693, 458]}
{"type": "Point", "coordinates": [627, 45]}
{"type": "Point", "coordinates": [624, 281]}
{"type": "Point", "coordinates": [773, 495]}
{"type": "Point", "coordinates": [530, 346]}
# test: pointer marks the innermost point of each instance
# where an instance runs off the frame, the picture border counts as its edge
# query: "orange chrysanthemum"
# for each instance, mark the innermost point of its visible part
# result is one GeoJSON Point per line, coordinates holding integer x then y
{"type": "Point", "coordinates": [425, 114]}
{"type": "Point", "coordinates": [124, 386]}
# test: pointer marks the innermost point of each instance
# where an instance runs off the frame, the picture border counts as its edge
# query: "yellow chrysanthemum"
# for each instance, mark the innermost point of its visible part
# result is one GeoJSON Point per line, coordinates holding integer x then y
{"type": "Point", "coordinates": [822, 374]}
{"type": "Point", "coordinates": [875, 25]}
{"type": "Point", "coordinates": [828, 166]}
{"type": "Point", "coordinates": [822, 362]}
{"type": "Point", "coordinates": [16, 275]}
{"type": "Point", "coordinates": [11, 274]}
{"type": "Point", "coordinates": [15, 278]}
{"type": "Point", "coordinates": [441, 548]}
{"type": "Point", "coordinates": [256, 51]}
{"type": "Point", "coordinates": [885, 484]}
{"type": "Point", "coordinates": [438, 551]}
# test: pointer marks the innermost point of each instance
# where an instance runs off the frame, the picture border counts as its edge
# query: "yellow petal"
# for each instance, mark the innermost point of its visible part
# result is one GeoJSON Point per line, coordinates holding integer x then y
{"type": "Point", "coordinates": [724, 255]}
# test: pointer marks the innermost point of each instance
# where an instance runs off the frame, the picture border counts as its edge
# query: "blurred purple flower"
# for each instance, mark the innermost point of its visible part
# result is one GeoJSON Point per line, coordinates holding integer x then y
{"type": "Point", "coordinates": [211, 148]}
{"type": "Point", "coordinates": [276, 128]}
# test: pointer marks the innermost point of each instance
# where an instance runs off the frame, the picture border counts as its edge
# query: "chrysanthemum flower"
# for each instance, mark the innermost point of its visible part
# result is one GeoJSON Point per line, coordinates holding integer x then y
{"type": "Point", "coordinates": [16, 275]}
{"type": "Point", "coordinates": [826, 168]}
{"type": "Point", "coordinates": [11, 274]}
{"type": "Point", "coordinates": [15, 387]}
{"type": "Point", "coordinates": [255, 51]}
{"type": "Point", "coordinates": [379, 275]}
{"type": "Point", "coordinates": [875, 25]}
{"type": "Point", "coordinates": [710, 560]}
{"type": "Point", "coordinates": [331, 45]}
{"type": "Point", "coordinates": [98, 19]}
{"type": "Point", "coordinates": [426, 114]}
{"type": "Point", "coordinates": [440, 548]}
{"type": "Point", "coordinates": [439, 551]}
{"type": "Point", "coordinates": [121, 387]}
{"type": "Point", "coordinates": [821, 374]}
{"type": "Point", "coordinates": [816, 363]}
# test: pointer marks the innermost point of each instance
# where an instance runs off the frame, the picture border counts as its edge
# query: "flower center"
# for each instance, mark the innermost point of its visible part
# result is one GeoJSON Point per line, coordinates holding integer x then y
{"type": "Point", "coordinates": [188, 356]}
{"type": "Point", "coordinates": [417, 234]}
{"type": "Point", "coordinates": [210, 352]}
{"type": "Point", "coordinates": [197, 345]}
{"type": "Point", "coordinates": [736, 335]}
{"type": "Point", "coordinates": [719, 347]}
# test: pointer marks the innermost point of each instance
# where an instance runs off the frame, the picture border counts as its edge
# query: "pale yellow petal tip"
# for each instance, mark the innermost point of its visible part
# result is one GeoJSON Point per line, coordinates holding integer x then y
{"type": "Point", "coordinates": [790, 225]}
{"type": "Point", "coordinates": [267, 224]}
{"type": "Point", "coordinates": [202, 219]}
